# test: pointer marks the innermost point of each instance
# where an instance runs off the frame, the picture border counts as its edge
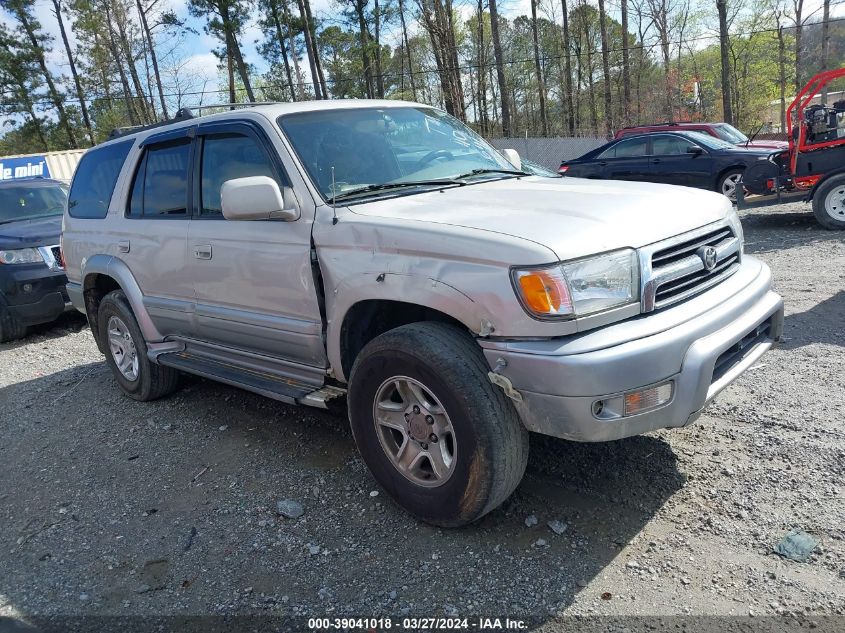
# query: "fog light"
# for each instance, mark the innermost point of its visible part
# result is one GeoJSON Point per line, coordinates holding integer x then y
{"type": "Point", "coordinates": [647, 399]}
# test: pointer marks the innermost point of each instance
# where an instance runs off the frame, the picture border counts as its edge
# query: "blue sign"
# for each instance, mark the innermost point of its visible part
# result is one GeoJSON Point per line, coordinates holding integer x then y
{"type": "Point", "coordinates": [23, 167]}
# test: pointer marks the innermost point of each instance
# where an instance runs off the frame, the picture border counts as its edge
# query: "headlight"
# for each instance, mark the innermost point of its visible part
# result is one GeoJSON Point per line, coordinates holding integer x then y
{"type": "Point", "coordinates": [581, 287]}
{"type": "Point", "coordinates": [21, 256]}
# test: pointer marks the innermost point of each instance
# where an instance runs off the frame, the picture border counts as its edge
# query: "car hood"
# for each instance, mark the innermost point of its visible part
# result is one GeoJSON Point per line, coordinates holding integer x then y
{"type": "Point", "coordinates": [765, 145]}
{"type": "Point", "coordinates": [573, 217]}
{"type": "Point", "coordinates": [30, 233]}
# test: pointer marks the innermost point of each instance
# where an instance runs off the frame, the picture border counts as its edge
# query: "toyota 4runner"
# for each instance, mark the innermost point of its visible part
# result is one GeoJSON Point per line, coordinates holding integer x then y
{"type": "Point", "coordinates": [382, 251]}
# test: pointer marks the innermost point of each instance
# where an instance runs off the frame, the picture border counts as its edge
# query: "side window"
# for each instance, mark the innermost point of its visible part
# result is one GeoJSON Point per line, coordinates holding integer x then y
{"type": "Point", "coordinates": [160, 187]}
{"type": "Point", "coordinates": [632, 148]}
{"type": "Point", "coordinates": [669, 146]}
{"type": "Point", "coordinates": [95, 180]}
{"type": "Point", "coordinates": [226, 157]}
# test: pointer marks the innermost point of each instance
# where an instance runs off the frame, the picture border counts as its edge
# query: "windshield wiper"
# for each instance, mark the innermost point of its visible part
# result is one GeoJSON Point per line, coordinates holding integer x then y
{"type": "Point", "coordinates": [385, 186]}
{"type": "Point", "coordinates": [487, 170]}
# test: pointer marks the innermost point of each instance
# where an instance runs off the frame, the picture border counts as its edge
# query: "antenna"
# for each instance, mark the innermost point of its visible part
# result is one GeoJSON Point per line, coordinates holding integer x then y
{"type": "Point", "coordinates": [334, 193]}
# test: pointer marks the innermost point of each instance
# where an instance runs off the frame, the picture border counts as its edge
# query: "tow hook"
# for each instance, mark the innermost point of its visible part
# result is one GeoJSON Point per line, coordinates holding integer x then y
{"type": "Point", "coordinates": [502, 381]}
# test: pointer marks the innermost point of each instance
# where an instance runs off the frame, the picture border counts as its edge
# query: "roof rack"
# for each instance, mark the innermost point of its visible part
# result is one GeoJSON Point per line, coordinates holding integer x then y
{"type": "Point", "coordinates": [184, 114]}
{"type": "Point", "coordinates": [663, 124]}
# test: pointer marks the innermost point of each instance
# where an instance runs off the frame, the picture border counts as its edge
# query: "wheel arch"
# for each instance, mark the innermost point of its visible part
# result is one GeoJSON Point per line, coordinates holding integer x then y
{"type": "Point", "coordinates": [824, 179]}
{"type": "Point", "coordinates": [102, 274]}
{"type": "Point", "coordinates": [373, 304]}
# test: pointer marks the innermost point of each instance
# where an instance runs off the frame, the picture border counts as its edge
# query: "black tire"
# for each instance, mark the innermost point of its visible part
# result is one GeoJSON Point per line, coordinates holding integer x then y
{"type": "Point", "coordinates": [492, 443]}
{"type": "Point", "coordinates": [723, 177]}
{"type": "Point", "coordinates": [153, 381]}
{"type": "Point", "coordinates": [11, 329]}
{"type": "Point", "coordinates": [835, 218]}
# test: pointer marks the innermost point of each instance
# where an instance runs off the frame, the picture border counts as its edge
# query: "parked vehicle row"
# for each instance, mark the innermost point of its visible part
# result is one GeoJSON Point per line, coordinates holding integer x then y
{"type": "Point", "coordinates": [691, 159]}
{"type": "Point", "coordinates": [382, 251]}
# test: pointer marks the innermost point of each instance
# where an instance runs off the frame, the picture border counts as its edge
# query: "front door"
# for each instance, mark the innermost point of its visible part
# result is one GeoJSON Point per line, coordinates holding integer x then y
{"type": "Point", "coordinates": [674, 163]}
{"type": "Point", "coordinates": [253, 280]}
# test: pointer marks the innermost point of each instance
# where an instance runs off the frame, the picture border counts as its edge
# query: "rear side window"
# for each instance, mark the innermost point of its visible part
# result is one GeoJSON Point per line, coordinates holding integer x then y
{"type": "Point", "coordinates": [95, 180]}
{"type": "Point", "coordinates": [160, 187]}
{"type": "Point", "coordinates": [627, 149]}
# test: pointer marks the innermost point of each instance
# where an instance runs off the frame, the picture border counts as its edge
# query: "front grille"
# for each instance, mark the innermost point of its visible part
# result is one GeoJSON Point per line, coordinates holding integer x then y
{"type": "Point", "coordinates": [678, 269]}
{"type": "Point", "coordinates": [739, 350]}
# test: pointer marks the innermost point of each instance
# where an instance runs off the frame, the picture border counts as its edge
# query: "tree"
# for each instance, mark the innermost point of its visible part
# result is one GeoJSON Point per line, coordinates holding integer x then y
{"type": "Point", "coordinates": [38, 43]}
{"type": "Point", "coordinates": [500, 70]}
{"type": "Point", "coordinates": [407, 48]}
{"type": "Point", "coordinates": [19, 85]}
{"type": "Point", "coordinates": [274, 46]}
{"type": "Point", "coordinates": [605, 62]}
{"type": "Point", "coordinates": [225, 20]}
{"type": "Point", "coordinates": [437, 19]}
{"type": "Point", "coordinates": [626, 66]}
{"type": "Point", "coordinates": [724, 44]}
{"type": "Point", "coordinates": [540, 83]}
{"type": "Point", "coordinates": [80, 95]}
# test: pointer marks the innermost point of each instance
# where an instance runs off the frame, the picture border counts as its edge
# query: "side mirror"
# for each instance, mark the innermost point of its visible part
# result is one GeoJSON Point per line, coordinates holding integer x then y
{"type": "Point", "coordinates": [513, 158]}
{"type": "Point", "coordinates": [695, 150]}
{"type": "Point", "coordinates": [257, 198]}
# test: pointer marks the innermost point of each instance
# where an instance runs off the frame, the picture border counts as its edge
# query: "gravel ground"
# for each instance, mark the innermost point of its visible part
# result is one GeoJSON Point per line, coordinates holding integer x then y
{"type": "Point", "coordinates": [109, 506]}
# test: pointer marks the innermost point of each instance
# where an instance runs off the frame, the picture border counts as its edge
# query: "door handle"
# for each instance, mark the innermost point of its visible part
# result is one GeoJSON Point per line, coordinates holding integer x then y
{"type": "Point", "coordinates": [202, 251]}
{"type": "Point", "coordinates": [123, 246]}
{"type": "Point", "coordinates": [655, 160]}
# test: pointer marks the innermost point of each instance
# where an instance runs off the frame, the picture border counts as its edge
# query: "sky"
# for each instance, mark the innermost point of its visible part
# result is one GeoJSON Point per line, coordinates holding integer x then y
{"type": "Point", "coordinates": [203, 64]}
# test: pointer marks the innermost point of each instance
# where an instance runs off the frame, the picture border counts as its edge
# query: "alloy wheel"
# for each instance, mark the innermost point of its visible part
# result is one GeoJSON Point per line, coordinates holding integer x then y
{"type": "Point", "coordinates": [415, 431]}
{"type": "Point", "coordinates": [122, 348]}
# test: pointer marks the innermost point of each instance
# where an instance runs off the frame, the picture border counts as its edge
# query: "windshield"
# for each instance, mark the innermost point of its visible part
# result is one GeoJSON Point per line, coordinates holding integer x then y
{"type": "Point", "coordinates": [708, 141]}
{"type": "Point", "coordinates": [730, 134]}
{"type": "Point", "coordinates": [380, 146]}
{"type": "Point", "coordinates": [21, 202]}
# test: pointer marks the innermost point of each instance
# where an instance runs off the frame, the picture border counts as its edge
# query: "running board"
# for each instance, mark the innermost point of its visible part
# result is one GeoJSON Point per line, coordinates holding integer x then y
{"type": "Point", "coordinates": [269, 385]}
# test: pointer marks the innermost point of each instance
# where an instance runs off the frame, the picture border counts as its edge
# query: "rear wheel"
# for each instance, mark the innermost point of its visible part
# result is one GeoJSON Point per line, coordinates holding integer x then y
{"type": "Point", "coordinates": [829, 203]}
{"type": "Point", "coordinates": [728, 183]}
{"type": "Point", "coordinates": [126, 352]}
{"type": "Point", "coordinates": [443, 441]}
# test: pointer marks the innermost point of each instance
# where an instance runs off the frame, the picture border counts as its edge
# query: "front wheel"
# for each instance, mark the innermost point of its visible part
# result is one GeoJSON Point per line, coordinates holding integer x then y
{"type": "Point", "coordinates": [829, 203]}
{"type": "Point", "coordinates": [438, 436]}
{"type": "Point", "coordinates": [728, 183]}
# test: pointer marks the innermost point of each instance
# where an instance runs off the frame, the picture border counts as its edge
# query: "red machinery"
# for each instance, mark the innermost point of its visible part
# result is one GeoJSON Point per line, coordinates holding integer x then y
{"type": "Point", "coordinates": [817, 150]}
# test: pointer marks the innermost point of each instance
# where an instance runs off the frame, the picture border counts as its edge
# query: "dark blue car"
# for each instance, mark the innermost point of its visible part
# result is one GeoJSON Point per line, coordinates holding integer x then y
{"type": "Point", "coordinates": [691, 159]}
{"type": "Point", "coordinates": [32, 277]}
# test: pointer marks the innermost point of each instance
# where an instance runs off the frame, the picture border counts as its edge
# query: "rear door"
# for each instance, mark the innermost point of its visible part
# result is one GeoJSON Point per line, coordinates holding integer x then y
{"type": "Point", "coordinates": [626, 160]}
{"type": "Point", "coordinates": [674, 164]}
{"type": "Point", "coordinates": [152, 239]}
{"type": "Point", "coordinates": [253, 280]}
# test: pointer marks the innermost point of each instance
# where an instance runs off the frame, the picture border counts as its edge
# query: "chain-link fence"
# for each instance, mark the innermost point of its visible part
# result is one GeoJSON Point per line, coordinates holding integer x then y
{"type": "Point", "coordinates": [549, 152]}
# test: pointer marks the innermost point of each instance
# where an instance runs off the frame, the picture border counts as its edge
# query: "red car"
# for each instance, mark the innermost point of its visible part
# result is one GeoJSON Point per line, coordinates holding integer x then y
{"type": "Point", "coordinates": [724, 131]}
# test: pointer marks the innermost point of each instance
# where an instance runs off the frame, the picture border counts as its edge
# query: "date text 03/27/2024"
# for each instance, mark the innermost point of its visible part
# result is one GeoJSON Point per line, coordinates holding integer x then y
{"type": "Point", "coordinates": [417, 624]}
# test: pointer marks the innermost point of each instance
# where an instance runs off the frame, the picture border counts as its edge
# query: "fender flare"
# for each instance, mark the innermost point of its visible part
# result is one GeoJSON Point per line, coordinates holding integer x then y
{"type": "Point", "coordinates": [406, 288]}
{"type": "Point", "coordinates": [836, 172]}
{"type": "Point", "coordinates": [113, 267]}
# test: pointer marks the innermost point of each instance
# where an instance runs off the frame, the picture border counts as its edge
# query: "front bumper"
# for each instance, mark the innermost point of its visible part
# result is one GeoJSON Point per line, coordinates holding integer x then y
{"type": "Point", "coordinates": [702, 345]}
{"type": "Point", "coordinates": [33, 293]}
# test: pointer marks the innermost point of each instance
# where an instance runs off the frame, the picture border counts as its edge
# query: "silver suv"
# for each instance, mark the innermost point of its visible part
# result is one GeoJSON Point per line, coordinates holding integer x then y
{"type": "Point", "coordinates": [382, 251]}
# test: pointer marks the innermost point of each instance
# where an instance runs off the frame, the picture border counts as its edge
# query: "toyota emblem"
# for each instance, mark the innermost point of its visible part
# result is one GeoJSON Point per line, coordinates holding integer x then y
{"type": "Point", "coordinates": [708, 257]}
